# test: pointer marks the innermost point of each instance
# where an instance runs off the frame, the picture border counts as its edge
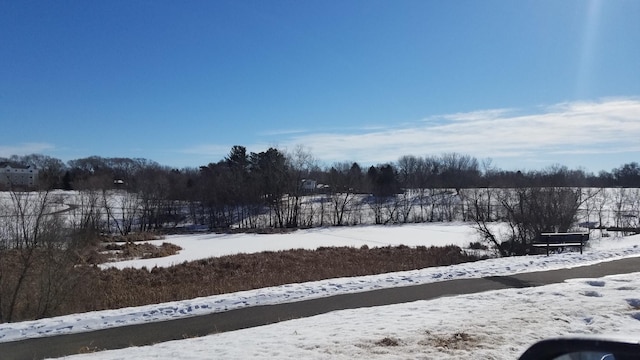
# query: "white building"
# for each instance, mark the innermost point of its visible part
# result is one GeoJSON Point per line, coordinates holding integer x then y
{"type": "Point", "coordinates": [309, 185]}
{"type": "Point", "coordinates": [18, 175]}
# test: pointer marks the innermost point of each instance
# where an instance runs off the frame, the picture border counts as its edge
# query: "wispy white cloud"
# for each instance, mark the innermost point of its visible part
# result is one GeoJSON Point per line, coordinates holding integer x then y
{"type": "Point", "coordinates": [25, 149]}
{"type": "Point", "coordinates": [477, 115]}
{"type": "Point", "coordinates": [610, 125]}
{"type": "Point", "coordinates": [520, 136]}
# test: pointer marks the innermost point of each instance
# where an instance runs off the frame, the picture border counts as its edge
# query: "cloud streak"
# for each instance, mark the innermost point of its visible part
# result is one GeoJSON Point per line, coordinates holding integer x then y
{"type": "Point", "coordinates": [606, 126]}
{"type": "Point", "coordinates": [550, 134]}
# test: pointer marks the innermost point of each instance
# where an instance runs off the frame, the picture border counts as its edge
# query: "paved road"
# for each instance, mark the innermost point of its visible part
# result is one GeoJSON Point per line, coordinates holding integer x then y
{"type": "Point", "coordinates": [150, 333]}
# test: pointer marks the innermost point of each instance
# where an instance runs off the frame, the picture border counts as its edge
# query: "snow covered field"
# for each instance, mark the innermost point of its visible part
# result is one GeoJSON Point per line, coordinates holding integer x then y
{"type": "Point", "coordinates": [497, 324]}
{"type": "Point", "coordinates": [209, 245]}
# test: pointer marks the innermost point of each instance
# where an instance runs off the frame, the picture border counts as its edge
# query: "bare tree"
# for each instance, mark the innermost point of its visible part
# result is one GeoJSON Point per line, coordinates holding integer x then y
{"type": "Point", "coordinates": [299, 164]}
{"type": "Point", "coordinates": [38, 254]}
{"type": "Point", "coordinates": [527, 212]}
{"type": "Point", "coordinates": [344, 180]}
{"type": "Point", "coordinates": [122, 209]}
{"type": "Point", "coordinates": [87, 211]}
{"type": "Point", "coordinates": [405, 206]}
{"type": "Point", "coordinates": [590, 206]}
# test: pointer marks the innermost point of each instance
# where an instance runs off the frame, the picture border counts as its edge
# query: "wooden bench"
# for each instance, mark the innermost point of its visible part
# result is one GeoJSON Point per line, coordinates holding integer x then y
{"type": "Point", "coordinates": [561, 240]}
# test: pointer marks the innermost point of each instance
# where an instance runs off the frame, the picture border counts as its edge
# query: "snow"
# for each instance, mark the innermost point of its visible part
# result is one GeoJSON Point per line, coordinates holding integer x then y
{"type": "Point", "coordinates": [496, 324]}
{"type": "Point", "coordinates": [490, 325]}
{"type": "Point", "coordinates": [201, 246]}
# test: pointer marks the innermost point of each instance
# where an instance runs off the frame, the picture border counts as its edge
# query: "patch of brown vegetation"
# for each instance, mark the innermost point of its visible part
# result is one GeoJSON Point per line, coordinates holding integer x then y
{"type": "Point", "coordinates": [128, 251]}
{"type": "Point", "coordinates": [456, 341]}
{"type": "Point", "coordinates": [387, 341]}
{"type": "Point", "coordinates": [40, 282]}
{"type": "Point", "coordinates": [133, 287]}
{"type": "Point", "coordinates": [113, 288]}
{"type": "Point", "coordinates": [133, 246]}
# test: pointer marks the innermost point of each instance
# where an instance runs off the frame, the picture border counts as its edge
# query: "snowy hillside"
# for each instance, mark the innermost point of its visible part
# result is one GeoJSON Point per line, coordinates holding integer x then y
{"type": "Point", "coordinates": [600, 250]}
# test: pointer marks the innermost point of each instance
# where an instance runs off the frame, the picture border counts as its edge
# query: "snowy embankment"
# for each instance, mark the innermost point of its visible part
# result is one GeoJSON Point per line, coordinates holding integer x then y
{"type": "Point", "coordinates": [601, 250]}
{"type": "Point", "coordinates": [496, 325]}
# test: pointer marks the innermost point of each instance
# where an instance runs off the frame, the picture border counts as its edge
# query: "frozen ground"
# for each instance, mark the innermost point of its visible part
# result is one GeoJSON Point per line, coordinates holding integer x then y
{"type": "Point", "coordinates": [490, 325]}
{"type": "Point", "coordinates": [499, 324]}
{"type": "Point", "coordinates": [207, 245]}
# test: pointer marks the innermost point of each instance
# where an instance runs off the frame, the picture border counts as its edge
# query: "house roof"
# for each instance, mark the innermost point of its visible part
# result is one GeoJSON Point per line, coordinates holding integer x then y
{"type": "Point", "coordinates": [6, 164]}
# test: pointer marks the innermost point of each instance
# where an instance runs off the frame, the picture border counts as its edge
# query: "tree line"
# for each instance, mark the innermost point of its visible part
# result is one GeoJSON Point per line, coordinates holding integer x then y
{"type": "Point", "coordinates": [272, 188]}
{"type": "Point", "coordinates": [448, 170]}
{"type": "Point", "coordinates": [279, 189]}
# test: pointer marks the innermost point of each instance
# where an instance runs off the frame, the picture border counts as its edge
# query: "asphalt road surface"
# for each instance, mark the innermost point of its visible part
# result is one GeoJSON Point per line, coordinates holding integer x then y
{"type": "Point", "coordinates": [151, 333]}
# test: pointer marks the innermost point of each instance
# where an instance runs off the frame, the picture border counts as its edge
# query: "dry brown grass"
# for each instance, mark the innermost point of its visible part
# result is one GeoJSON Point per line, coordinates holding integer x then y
{"type": "Point", "coordinates": [388, 342]}
{"type": "Point", "coordinates": [127, 251]}
{"type": "Point", "coordinates": [132, 246]}
{"type": "Point", "coordinates": [132, 287]}
{"type": "Point", "coordinates": [113, 288]}
{"type": "Point", "coordinates": [456, 341]}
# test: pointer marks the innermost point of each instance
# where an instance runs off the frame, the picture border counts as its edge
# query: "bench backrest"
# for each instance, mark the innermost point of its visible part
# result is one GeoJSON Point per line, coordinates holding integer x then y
{"type": "Point", "coordinates": [554, 238]}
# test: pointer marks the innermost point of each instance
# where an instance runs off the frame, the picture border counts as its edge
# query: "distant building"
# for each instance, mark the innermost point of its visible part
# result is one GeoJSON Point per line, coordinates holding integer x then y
{"type": "Point", "coordinates": [15, 175]}
{"type": "Point", "coordinates": [309, 185]}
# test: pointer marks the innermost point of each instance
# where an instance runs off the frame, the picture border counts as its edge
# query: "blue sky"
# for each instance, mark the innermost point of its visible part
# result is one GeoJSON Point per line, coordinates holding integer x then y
{"type": "Point", "coordinates": [526, 83]}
